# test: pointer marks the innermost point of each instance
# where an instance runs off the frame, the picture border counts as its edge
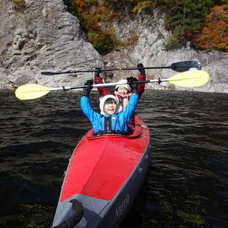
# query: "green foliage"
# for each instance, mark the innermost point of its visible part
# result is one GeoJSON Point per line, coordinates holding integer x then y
{"type": "Point", "coordinates": [173, 41]}
{"type": "Point", "coordinates": [91, 14]}
{"type": "Point", "coordinates": [104, 41]}
{"type": "Point", "coordinates": [185, 18]}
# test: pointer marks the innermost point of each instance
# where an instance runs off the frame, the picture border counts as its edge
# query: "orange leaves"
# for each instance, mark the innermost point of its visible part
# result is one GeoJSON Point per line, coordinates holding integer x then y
{"type": "Point", "coordinates": [143, 4]}
{"type": "Point", "coordinates": [190, 21]}
{"type": "Point", "coordinates": [80, 5]}
{"type": "Point", "coordinates": [218, 13]}
{"type": "Point", "coordinates": [214, 34]}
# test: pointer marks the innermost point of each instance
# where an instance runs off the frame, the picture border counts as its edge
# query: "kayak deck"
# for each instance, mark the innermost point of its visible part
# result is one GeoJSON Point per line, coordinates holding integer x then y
{"type": "Point", "coordinates": [100, 167]}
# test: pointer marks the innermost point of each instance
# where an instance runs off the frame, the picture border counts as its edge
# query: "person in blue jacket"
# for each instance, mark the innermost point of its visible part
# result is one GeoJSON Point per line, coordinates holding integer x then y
{"type": "Point", "coordinates": [110, 121]}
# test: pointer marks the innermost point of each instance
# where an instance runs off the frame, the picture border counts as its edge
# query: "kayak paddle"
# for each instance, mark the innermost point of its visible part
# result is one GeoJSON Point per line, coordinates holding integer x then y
{"type": "Point", "coordinates": [178, 66]}
{"type": "Point", "coordinates": [195, 78]}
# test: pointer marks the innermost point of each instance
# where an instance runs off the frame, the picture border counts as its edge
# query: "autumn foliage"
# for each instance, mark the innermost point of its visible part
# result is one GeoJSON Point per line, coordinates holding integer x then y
{"type": "Point", "coordinates": [202, 24]}
{"type": "Point", "coordinates": [214, 34]}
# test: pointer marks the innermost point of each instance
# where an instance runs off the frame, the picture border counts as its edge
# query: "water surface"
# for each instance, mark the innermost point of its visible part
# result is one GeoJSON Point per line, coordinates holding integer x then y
{"type": "Point", "coordinates": [186, 185]}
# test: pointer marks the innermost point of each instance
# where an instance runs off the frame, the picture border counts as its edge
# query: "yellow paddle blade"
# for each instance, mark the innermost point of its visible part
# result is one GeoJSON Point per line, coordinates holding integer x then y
{"type": "Point", "coordinates": [194, 78]}
{"type": "Point", "coordinates": [31, 91]}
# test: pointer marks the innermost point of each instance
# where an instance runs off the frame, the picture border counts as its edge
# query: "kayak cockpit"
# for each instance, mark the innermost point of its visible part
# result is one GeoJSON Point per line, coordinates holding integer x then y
{"type": "Point", "coordinates": [137, 131]}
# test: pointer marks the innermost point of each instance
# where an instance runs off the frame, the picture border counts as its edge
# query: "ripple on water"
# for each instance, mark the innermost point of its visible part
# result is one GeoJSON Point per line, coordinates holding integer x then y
{"type": "Point", "coordinates": [186, 185]}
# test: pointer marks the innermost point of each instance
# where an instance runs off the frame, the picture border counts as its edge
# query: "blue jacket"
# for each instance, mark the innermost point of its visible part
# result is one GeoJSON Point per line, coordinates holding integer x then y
{"type": "Point", "coordinates": [119, 121]}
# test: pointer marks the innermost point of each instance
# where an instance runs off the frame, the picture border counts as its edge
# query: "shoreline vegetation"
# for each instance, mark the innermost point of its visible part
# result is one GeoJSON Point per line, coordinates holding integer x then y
{"type": "Point", "coordinates": [203, 24]}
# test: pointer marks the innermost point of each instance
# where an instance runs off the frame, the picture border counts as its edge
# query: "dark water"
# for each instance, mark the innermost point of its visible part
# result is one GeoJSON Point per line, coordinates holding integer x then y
{"type": "Point", "coordinates": [186, 186]}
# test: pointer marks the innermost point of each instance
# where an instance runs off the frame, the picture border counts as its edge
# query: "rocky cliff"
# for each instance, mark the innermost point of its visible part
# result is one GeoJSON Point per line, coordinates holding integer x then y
{"type": "Point", "coordinates": [151, 51]}
{"type": "Point", "coordinates": [40, 35]}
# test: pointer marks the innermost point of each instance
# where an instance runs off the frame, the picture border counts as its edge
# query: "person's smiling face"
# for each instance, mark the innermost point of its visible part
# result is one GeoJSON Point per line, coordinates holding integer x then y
{"type": "Point", "coordinates": [122, 91]}
{"type": "Point", "coordinates": [110, 107]}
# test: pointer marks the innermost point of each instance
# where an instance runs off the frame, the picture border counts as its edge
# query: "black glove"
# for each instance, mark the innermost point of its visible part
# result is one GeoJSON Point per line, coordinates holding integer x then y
{"type": "Point", "coordinates": [88, 88]}
{"type": "Point", "coordinates": [141, 69]}
{"type": "Point", "coordinates": [97, 71]}
{"type": "Point", "coordinates": [134, 86]}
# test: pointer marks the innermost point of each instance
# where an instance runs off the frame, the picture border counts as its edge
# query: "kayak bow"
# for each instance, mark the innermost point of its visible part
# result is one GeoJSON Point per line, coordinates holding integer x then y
{"type": "Point", "coordinates": [103, 178]}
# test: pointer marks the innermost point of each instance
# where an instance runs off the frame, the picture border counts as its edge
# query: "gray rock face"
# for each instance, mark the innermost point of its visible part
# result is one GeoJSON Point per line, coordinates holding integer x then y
{"type": "Point", "coordinates": [40, 35]}
{"type": "Point", "coordinates": [150, 50]}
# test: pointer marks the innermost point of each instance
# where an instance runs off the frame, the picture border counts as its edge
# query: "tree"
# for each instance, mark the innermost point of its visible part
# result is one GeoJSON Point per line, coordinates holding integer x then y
{"type": "Point", "coordinates": [215, 30]}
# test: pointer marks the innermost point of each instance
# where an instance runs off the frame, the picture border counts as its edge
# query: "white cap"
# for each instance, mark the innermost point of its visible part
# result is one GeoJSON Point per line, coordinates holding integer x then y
{"type": "Point", "coordinates": [103, 99]}
{"type": "Point", "coordinates": [124, 84]}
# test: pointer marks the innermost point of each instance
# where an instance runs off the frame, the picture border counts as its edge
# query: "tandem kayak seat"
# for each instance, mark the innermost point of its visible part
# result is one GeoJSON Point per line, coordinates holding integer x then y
{"type": "Point", "coordinates": [100, 133]}
{"type": "Point", "coordinates": [135, 131]}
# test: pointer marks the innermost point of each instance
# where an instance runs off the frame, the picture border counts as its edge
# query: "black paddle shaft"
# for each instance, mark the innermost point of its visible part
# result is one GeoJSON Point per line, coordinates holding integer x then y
{"type": "Point", "coordinates": [178, 66]}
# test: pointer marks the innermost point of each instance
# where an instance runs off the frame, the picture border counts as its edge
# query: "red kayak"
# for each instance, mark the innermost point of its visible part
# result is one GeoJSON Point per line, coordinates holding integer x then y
{"type": "Point", "coordinates": [103, 178]}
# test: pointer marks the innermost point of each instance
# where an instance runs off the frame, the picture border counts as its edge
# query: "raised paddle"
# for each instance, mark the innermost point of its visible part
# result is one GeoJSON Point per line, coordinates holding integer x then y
{"type": "Point", "coordinates": [178, 66]}
{"type": "Point", "coordinates": [194, 78]}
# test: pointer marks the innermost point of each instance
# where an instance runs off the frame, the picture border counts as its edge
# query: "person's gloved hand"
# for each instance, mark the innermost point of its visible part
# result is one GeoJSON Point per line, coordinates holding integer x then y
{"type": "Point", "coordinates": [141, 69]}
{"type": "Point", "coordinates": [134, 86]}
{"type": "Point", "coordinates": [88, 88]}
{"type": "Point", "coordinates": [97, 71]}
